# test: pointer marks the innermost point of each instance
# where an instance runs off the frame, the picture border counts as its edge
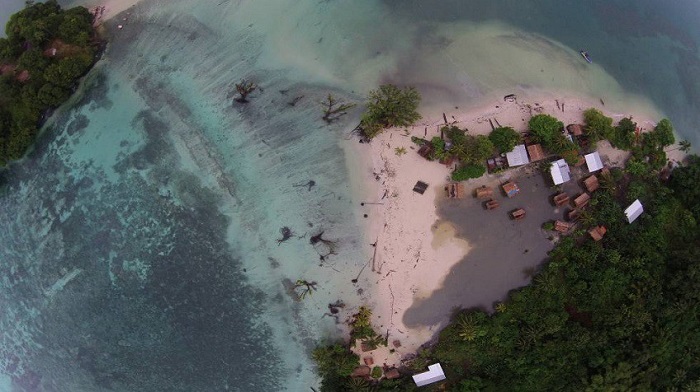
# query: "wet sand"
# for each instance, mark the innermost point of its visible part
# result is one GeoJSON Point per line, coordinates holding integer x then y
{"type": "Point", "coordinates": [504, 254]}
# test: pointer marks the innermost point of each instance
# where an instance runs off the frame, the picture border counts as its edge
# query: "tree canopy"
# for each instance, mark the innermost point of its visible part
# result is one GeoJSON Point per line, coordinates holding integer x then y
{"type": "Point", "coordinates": [598, 126]}
{"type": "Point", "coordinates": [504, 138]}
{"type": "Point", "coordinates": [390, 106]}
{"type": "Point", "coordinates": [46, 51]}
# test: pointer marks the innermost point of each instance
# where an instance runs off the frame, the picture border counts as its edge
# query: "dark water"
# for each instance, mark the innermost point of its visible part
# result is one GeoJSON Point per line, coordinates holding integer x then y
{"type": "Point", "coordinates": [650, 46]}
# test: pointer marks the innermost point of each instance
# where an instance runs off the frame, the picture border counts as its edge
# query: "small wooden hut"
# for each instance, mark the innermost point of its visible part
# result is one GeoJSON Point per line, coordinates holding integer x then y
{"type": "Point", "coordinates": [454, 190]}
{"type": "Point", "coordinates": [573, 214]}
{"type": "Point", "coordinates": [597, 232]}
{"type": "Point", "coordinates": [510, 189]}
{"type": "Point", "coordinates": [582, 200]}
{"type": "Point", "coordinates": [491, 204]}
{"type": "Point", "coordinates": [483, 192]}
{"type": "Point", "coordinates": [420, 187]}
{"type": "Point", "coordinates": [392, 373]}
{"type": "Point", "coordinates": [575, 129]}
{"type": "Point", "coordinates": [425, 150]}
{"type": "Point", "coordinates": [591, 183]}
{"type": "Point", "coordinates": [561, 199]}
{"type": "Point", "coordinates": [535, 151]}
{"type": "Point", "coordinates": [517, 214]}
{"type": "Point", "coordinates": [563, 227]}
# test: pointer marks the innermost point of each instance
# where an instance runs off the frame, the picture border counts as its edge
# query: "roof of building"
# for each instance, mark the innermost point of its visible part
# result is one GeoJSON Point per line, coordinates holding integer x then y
{"type": "Point", "coordinates": [420, 187]}
{"type": "Point", "coordinates": [575, 129]}
{"type": "Point", "coordinates": [510, 188]}
{"type": "Point", "coordinates": [434, 374]}
{"type": "Point", "coordinates": [591, 183]}
{"type": "Point", "coordinates": [560, 172]}
{"type": "Point", "coordinates": [535, 151]}
{"type": "Point", "coordinates": [634, 210]}
{"type": "Point", "coordinates": [562, 226]}
{"type": "Point", "coordinates": [518, 156]}
{"type": "Point", "coordinates": [597, 232]}
{"type": "Point", "coordinates": [593, 161]}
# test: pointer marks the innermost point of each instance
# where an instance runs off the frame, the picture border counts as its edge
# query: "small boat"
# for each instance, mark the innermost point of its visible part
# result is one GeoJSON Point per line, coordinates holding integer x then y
{"type": "Point", "coordinates": [586, 56]}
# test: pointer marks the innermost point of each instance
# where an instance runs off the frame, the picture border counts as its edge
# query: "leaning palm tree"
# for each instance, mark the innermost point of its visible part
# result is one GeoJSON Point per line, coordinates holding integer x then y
{"type": "Point", "coordinates": [684, 145]}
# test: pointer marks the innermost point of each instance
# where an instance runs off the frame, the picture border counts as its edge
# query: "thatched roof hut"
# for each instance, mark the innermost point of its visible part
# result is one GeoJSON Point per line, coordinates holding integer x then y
{"type": "Point", "coordinates": [483, 192]}
{"type": "Point", "coordinates": [562, 227]}
{"type": "Point", "coordinates": [591, 183]}
{"type": "Point", "coordinates": [575, 129]}
{"type": "Point", "coordinates": [536, 152]}
{"type": "Point", "coordinates": [561, 199]}
{"type": "Point", "coordinates": [582, 200]}
{"type": "Point", "coordinates": [597, 233]}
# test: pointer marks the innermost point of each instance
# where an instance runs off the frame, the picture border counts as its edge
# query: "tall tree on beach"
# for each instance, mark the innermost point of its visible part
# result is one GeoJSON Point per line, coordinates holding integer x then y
{"type": "Point", "coordinates": [504, 138]}
{"type": "Point", "coordinates": [684, 146]}
{"type": "Point", "coordinates": [390, 106]}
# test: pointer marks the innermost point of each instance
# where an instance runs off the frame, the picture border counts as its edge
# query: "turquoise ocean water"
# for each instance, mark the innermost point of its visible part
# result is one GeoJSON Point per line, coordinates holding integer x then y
{"type": "Point", "coordinates": [139, 246]}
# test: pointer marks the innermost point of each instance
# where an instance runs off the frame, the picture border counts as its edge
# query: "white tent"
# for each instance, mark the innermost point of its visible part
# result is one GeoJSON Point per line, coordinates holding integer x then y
{"type": "Point", "coordinates": [634, 210]}
{"type": "Point", "coordinates": [518, 156]}
{"type": "Point", "coordinates": [593, 161]}
{"type": "Point", "coordinates": [560, 172]}
{"type": "Point", "coordinates": [434, 374]}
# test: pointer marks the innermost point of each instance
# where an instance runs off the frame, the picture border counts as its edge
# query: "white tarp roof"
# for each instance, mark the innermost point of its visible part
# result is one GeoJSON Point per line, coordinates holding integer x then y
{"type": "Point", "coordinates": [518, 156]}
{"type": "Point", "coordinates": [593, 161]}
{"type": "Point", "coordinates": [560, 172]}
{"type": "Point", "coordinates": [434, 374]}
{"type": "Point", "coordinates": [634, 210]}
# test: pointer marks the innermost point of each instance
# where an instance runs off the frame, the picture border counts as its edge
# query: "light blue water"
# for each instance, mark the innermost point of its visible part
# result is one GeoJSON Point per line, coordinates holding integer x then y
{"type": "Point", "coordinates": [139, 247]}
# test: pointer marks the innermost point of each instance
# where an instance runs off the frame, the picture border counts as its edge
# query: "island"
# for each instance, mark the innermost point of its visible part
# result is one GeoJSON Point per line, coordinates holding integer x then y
{"type": "Point", "coordinates": [46, 51]}
{"type": "Point", "coordinates": [557, 244]}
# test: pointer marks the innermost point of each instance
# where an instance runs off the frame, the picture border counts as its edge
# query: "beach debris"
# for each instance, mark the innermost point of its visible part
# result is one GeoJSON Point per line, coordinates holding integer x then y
{"type": "Point", "coordinates": [317, 240]}
{"type": "Point", "coordinates": [420, 187]}
{"type": "Point", "coordinates": [444, 118]}
{"type": "Point", "coordinates": [491, 123]}
{"type": "Point", "coordinates": [334, 108]}
{"type": "Point", "coordinates": [295, 100]}
{"type": "Point", "coordinates": [286, 234]}
{"type": "Point", "coordinates": [509, 98]}
{"type": "Point", "coordinates": [244, 88]}
{"type": "Point", "coordinates": [310, 184]}
{"type": "Point", "coordinates": [335, 307]}
{"type": "Point", "coordinates": [303, 288]}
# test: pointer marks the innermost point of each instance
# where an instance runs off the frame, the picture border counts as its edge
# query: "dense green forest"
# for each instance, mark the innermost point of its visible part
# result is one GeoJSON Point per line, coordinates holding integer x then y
{"type": "Point", "coordinates": [621, 314]}
{"type": "Point", "coordinates": [46, 51]}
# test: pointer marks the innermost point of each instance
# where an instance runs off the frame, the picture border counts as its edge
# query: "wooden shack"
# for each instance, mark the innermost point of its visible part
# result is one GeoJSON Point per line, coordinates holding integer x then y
{"type": "Point", "coordinates": [561, 199]}
{"type": "Point", "coordinates": [563, 227]}
{"type": "Point", "coordinates": [454, 190]}
{"type": "Point", "coordinates": [517, 214]}
{"type": "Point", "coordinates": [573, 214]}
{"type": "Point", "coordinates": [510, 189]}
{"type": "Point", "coordinates": [425, 150]}
{"type": "Point", "coordinates": [491, 204]}
{"type": "Point", "coordinates": [591, 183]}
{"type": "Point", "coordinates": [597, 232]}
{"type": "Point", "coordinates": [575, 129]}
{"type": "Point", "coordinates": [483, 192]}
{"type": "Point", "coordinates": [582, 200]}
{"type": "Point", "coordinates": [535, 152]}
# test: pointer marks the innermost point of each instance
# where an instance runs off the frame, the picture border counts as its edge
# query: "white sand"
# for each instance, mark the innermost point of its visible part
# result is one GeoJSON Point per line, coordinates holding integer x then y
{"type": "Point", "coordinates": [415, 251]}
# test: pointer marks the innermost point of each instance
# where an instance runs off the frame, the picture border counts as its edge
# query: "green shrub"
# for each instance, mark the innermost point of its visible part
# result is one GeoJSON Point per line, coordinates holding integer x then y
{"type": "Point", "coordinates": [390, 106]}
{"type": "Point", "coordinates": [504, 138]}
{"type": "Point", "coordinates": [598, 126]}
{"type": "Point", "coordinates": [549, 225]}
{"type": "Point", "coordinates": [376, 372]}
{"type": "Point", "coordinates": [468, 171]}
{"type": "Point", "coordinates": [623, 135]}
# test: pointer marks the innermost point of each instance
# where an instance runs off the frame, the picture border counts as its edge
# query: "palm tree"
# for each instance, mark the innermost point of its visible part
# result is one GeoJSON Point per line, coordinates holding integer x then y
{"type": "Point", "coordinates": [684, 146]}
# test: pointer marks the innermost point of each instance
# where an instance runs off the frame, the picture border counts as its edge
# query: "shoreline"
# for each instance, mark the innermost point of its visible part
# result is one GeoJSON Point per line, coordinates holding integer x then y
{"type": "Point", "coordinates": [416, 251]}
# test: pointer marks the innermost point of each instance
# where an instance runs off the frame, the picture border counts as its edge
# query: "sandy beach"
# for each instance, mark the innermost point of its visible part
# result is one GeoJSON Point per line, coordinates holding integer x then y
{"type": "Point", "coordinates": [417, 253]}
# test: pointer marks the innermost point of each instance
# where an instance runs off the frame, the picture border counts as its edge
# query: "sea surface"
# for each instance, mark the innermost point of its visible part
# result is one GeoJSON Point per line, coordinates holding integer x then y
{"type": "Point", "coordinates": [139, 249]}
